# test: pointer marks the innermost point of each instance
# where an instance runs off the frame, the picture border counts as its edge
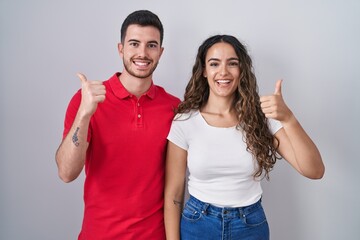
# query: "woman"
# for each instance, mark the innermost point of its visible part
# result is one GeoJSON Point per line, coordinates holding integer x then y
{"type": "Point", "coordinates": [229, 138]}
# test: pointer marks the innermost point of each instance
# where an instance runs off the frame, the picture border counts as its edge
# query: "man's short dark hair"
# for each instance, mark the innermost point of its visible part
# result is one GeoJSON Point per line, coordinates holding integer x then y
{"type": "Point", "coordinates": [143, 18]}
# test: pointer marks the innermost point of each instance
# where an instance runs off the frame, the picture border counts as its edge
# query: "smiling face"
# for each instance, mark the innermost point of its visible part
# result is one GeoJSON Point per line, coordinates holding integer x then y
{"type": "Point", "coordinates": [141, 50]}
{"type": "Point", "coordinates": [222, 70]}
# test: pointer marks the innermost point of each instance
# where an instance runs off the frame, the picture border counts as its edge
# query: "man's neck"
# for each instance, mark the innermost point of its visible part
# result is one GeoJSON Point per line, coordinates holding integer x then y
{"type": "Point", "coordinates": [134, 85]}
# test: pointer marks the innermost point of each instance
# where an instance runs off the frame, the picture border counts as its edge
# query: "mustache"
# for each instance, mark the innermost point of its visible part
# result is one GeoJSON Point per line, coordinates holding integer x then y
{"type": "Point", "coordinates": [141, 58]}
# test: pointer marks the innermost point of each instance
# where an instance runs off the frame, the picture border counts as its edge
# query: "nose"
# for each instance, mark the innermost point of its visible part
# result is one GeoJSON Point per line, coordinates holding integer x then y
{"type": "Point", "coordinates": [142, 51]}
{"type": "Point", "coordinates": [223, 70]}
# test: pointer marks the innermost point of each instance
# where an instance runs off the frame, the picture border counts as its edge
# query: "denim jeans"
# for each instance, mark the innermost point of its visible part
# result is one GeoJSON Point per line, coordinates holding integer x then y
{"type": "Point", "coordinates": [206, 222]}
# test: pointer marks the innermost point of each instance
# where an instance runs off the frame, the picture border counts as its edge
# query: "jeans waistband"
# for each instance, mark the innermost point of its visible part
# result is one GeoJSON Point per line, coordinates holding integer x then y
{"type": "Point", "coordinates": [228, 212]}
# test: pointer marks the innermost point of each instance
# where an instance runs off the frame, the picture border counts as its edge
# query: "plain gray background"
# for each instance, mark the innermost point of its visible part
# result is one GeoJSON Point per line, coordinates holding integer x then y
{"type": "Point", "coordinates": [313, 45]}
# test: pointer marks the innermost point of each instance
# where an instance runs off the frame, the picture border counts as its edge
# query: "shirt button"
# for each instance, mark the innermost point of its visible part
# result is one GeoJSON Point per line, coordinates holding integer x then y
{"type": "Point", "coordinates": [139, 115]}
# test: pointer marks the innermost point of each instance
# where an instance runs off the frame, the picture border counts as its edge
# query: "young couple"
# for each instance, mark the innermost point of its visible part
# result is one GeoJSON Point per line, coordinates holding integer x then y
{"type": "Point", "coordinates": [136, 141]}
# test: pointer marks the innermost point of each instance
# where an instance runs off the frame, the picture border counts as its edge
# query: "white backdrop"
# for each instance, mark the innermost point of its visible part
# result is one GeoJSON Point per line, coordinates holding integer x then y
{"type": "Point", "coordinates": [313, 45]}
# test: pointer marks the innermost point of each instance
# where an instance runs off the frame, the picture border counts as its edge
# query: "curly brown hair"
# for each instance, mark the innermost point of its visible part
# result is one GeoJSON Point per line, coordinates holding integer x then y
{"type": "Point", "coordinates": [251, 120]}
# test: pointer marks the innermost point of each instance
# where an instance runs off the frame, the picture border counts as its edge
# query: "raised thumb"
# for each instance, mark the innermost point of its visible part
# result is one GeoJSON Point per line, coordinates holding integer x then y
{"type": "Point", "coordinates": [278, 87]}
{"type": "Point", "coordinates": [82, 77]}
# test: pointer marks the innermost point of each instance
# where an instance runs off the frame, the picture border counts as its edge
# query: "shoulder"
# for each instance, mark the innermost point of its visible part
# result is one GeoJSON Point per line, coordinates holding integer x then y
{"type": "Point", "coordinates": [76, 98]}
{"type": "Point", "coordinates": [161, 92]}
{"type": "Point", "coordinates": [185, 126]}
{"type": "Point", "coordinates": [114, 79]}
{"type": "Point", "coordinates": [187, 116]}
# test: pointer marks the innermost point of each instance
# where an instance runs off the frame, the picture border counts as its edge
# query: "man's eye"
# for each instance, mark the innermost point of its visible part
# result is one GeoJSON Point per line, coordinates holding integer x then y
{"type": "Point", "coordinates": [152, 45]}
{"type": "Point", "coordinates": [134, 44]}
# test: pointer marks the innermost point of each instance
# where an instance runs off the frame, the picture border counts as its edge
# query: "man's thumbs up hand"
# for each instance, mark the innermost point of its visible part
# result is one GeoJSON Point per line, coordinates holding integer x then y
{"type": "Point", "coordinates": [92, 93]}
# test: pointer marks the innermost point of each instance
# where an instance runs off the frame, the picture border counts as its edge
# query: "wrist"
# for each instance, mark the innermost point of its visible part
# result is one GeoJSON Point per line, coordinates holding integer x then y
{"type": "Point", "coordinates": [289, 120]}
{"type": "Point", "coordinates": [84, 114]}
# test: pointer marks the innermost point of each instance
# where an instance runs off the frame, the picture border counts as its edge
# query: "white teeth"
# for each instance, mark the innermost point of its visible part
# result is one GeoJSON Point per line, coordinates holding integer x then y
{"type": "Point", "coordinates": [223, 81]}
{"type": "Point", "coordinates": [141, 63]}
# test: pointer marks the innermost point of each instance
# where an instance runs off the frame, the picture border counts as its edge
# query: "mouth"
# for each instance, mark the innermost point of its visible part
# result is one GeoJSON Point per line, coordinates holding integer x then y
{"type": "Point", "coordinates": [141, 63]}
{"type": "Point", "coordinates": [223, 82]}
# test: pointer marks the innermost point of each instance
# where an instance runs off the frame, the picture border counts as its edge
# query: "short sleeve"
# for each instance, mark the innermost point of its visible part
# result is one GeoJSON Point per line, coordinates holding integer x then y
{"type": "Point", "coordinates": [274, 125]}
{"type": "Point", "coordinates": [177, 133]}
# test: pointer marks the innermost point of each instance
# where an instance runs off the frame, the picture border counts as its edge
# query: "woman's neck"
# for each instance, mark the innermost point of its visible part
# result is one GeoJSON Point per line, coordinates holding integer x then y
{"type": "Point", "coordinates": [218, 106]}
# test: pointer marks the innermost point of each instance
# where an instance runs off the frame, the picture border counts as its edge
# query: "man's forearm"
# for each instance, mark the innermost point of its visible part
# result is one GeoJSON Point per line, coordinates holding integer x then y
{"type": "Point", "coordinates": [70, 156]}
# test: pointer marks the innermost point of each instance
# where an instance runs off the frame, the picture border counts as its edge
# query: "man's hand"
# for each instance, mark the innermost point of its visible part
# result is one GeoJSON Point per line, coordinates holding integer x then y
{"type": "Point", "coordinates": [92, 93]}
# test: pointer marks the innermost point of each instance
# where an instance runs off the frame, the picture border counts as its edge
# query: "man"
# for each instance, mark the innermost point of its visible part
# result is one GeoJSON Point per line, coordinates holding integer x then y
{"type": "Point", "coordinates": [117, 129]}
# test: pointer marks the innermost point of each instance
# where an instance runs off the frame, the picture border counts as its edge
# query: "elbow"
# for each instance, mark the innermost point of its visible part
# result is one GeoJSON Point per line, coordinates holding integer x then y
{"type": "Point", "coordinates": [66, 178]}
{"type": "Point", "coordinates": [316, 169]}
{"type": "Point", "coordinates": [318, 174]}
{"type": "Point", "coordinates": [65, 172]}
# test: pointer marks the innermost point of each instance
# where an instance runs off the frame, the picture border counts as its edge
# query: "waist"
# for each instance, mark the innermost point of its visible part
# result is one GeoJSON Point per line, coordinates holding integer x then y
{"type": "Point", "coordinates": [230, 212]}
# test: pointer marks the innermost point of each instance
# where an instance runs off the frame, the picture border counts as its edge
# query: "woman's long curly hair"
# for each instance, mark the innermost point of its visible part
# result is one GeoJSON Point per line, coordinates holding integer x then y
{"type": "Point", "coordinates": [251, 120]}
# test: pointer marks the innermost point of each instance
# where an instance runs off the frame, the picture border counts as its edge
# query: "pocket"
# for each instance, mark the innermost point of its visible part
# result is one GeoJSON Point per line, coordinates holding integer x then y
{"type": "Point", "coordinates": [255, 218]}
{"type": "Point", "coordinates": [191, 213]}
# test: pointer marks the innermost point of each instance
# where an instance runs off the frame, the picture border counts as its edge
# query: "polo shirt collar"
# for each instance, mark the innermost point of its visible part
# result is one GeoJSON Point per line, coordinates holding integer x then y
{"type": "Point", "coordinates": [121, 92]}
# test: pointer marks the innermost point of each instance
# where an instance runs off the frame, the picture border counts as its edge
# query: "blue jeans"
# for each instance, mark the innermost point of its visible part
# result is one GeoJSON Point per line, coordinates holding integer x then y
{"type": "Point", "coordinates": [206, 222]}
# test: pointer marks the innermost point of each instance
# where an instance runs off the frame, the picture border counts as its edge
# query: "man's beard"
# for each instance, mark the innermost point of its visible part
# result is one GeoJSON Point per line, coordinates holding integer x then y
{"type": "Point", "coordinates": [132, 73]}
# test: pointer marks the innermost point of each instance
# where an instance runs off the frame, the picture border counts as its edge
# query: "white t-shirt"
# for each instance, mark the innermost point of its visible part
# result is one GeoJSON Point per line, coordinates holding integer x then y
{"type": "Point", "coordinates": [221, 171]}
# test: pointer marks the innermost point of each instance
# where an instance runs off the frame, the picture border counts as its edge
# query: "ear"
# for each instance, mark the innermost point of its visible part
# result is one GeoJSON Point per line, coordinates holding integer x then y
{"type": "Point", "coordinates": [121, 49]}
{"type": "Point", "coordinates": [204, 74]}
{"type": "Point", "coordinates": [161, 51]}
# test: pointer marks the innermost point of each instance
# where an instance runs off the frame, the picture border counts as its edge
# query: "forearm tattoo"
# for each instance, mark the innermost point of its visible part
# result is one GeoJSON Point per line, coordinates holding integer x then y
{"type": "Point", "coordinates": [75, 138]}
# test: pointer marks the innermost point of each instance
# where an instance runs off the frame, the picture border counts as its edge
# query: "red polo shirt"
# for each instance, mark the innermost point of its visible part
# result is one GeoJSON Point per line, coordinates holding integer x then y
{"type": "Point", "coordinates": [124, 184]}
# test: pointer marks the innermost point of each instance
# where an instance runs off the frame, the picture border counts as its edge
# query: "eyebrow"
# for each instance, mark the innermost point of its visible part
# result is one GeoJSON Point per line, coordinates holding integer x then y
{"type": "Point", "coordinates": [229, 59]}
{"type": "Point", "coordinates": [135, 40]}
